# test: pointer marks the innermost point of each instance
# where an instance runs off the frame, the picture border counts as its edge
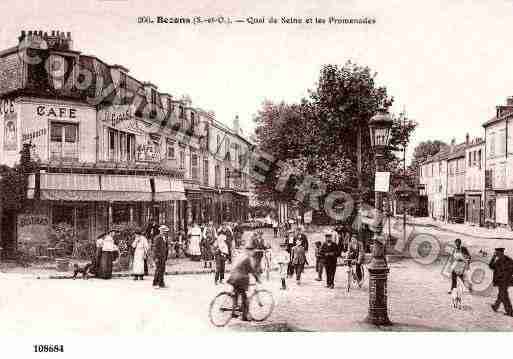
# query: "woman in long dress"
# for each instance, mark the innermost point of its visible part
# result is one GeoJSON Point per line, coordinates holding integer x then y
{"type": "Point", "coordinates": [141, 249]}
{"type": "Point", "coordinates": [108, 255]}
{"type": "Point", "coordinates": [98, 256]}
{"type": "Point", "coordinates": [195, 240]}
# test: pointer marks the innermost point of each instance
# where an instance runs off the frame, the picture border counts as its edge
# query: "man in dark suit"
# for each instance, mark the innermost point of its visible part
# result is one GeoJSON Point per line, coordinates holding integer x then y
{"type": "Point", "coordinates": [502, 267]}
{"type": "Point", "coordinates": [160, 257]}
{"type": "Point", "coordinates": [329, 251]}
{"type": "Point", "coordinates": [298, 260]}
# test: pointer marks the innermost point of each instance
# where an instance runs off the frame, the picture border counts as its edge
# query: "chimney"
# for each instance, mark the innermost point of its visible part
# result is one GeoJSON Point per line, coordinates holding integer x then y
{"type": "Point", "coordinates": [509, 101]}
{"type": "Point", "coordinates": [453, 144]}
{"type": "Point", "coordinates": [467, 138]}
{"type": "Point", "coordinates": [236, 125]}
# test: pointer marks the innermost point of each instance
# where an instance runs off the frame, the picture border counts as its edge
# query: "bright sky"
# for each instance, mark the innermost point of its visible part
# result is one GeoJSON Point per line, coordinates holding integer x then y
{"type": "Point", "coordinates": [447, 62]}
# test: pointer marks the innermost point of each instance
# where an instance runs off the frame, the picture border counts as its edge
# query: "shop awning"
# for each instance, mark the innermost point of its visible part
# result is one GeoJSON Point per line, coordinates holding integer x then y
{"type": "Point", "coordinates": [169, 189]}
{"type": "Point", "coordinates": [125, 188]}
{"type": "Point", "coordinates": [66, 187]}
{"type": "Point", "coordinates": [91, 187]}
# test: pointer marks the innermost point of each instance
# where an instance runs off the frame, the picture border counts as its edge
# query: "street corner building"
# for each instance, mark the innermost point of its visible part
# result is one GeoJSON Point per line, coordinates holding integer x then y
{"type": "Point", "coordinates": [110, 149]}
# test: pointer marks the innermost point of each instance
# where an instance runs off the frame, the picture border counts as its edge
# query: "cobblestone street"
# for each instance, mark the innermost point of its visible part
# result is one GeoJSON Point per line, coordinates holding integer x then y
{"type": "Point", "coordinates": [418, 301]}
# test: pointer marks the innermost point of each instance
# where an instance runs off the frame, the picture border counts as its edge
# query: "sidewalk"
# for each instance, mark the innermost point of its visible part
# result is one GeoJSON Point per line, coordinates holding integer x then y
{"type": "Point", "coordinates": [180, 266]}
{"type": "Point", "coordinates": [460, 228]}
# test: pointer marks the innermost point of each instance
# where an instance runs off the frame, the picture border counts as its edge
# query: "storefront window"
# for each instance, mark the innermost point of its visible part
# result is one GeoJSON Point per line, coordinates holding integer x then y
{"type": "Point", "coordinates": [62, 214]}
{"type": "Point", "coordinates": [120, 213]}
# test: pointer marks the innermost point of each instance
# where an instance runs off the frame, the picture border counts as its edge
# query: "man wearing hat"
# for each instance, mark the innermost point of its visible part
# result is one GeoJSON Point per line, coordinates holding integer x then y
{"type": "Point", "coordinates": [239, 277]}
{"type": "Point", "coordinates": [329, 251]}
{"type": "Point", "coordinates": [502, 267]}
{"type": "Point", "coordinates": [160, 256]}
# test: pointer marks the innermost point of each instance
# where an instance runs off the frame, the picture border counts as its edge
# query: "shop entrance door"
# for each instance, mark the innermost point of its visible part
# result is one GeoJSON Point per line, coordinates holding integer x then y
{"type": "Point", "coordinates": [82, 223]}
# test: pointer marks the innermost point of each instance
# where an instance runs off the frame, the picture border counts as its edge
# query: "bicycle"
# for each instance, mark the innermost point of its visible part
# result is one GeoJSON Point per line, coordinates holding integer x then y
{"type": "Point", "coordinates": [352, 278]}
{"type": "Point", "coordinates": [222, 308]}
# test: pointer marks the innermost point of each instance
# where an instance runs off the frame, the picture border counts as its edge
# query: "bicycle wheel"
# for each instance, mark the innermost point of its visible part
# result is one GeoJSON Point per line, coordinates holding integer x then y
{"type": "Point", "coordinates": [261, 305]}
{"type": "Point", "coordinates": [221, 309]}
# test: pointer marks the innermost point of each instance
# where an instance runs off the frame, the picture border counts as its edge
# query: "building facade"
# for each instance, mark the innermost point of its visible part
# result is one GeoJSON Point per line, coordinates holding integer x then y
{"type": "Point", "coordinates": [111, 149]}
{"type": "Point", "coordinates": [474, 182]}
{"type": "Point", "coordinates": [453, 185]}
{"type": "Point", "coordinates": [499, 167]}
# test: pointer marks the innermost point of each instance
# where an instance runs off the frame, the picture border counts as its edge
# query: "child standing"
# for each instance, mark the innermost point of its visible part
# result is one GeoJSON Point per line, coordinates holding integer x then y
{"type": "Point", "coordinates": [220, 256]}
{"type": "Point", "coordinates": [283, 261]}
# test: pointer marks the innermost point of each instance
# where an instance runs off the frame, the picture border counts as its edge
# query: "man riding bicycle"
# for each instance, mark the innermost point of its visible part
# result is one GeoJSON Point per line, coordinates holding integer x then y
{"type": "Point", "coordinates": [239, 278]}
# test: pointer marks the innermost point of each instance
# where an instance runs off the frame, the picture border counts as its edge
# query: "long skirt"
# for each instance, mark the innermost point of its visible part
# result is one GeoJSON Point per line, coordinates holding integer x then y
{"type": "Point", "coordinates": [106, 265]}
{"type": "Point", "coordinates": [138, 265]}
{"type": "Point", "coordinates": [194, 246]}
{"type": "Point", "coordinates": [96, 262]}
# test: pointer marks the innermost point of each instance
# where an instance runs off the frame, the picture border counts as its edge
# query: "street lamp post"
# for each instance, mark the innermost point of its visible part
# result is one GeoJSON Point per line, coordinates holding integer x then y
{"type": "Point", "coordinates": [379, 126]}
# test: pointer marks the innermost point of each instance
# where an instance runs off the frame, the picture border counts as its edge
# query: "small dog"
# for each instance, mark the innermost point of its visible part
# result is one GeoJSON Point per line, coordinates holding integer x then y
{"type": "Point", "coordinates": [81, 270]}
{"type": "Point", "coordinates": [456, 295]}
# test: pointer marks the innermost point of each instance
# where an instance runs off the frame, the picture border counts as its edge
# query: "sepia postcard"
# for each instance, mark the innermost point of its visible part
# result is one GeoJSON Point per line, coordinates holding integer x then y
{"type": "Point", "coordinates": [198, 171]}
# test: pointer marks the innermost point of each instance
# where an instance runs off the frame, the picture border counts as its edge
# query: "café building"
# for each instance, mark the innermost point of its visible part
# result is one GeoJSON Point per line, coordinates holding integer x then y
{"type": "Point", "coordinates": [97, 168]}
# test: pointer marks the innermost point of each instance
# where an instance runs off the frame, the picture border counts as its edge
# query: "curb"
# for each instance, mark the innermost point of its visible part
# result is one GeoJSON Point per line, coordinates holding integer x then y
{"type": "Point", "coordinates": [441, 228]}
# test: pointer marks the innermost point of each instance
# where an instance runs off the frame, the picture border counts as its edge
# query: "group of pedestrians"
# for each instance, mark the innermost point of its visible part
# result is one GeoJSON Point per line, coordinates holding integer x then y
{"type": "Point", "coordinates": [212, 244]}
{"type": "Point", "coordinates": [500, 264]}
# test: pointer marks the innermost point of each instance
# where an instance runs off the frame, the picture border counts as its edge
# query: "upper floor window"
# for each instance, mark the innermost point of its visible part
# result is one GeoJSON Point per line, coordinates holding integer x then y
{"type": "Point", "coordinates": [181, 113]}
{"type": "Point", "coordinates": [479, 159]}
{"type": "Point", "coordinates": [227, 177]}
{"type": "Point", "coordinates": [63, 141]}
{"type": "Point", "coordinates": [120, 146]}
{"type": "Point", "coordinates": [217, 176]}
{"type": "Point", "coordinates": [194, 166]}
{"type": "Point", "coordinates": [122, 80]}
{"type": "Point", "coordinates": [182, 159]}
{"type": "Point", "coordinates": [227, 147]}
{"type": "Point", "coordinates": [205, 171]}
{"type": "Point", "coordinates": [492, 144]}
{"type": "Point", "coordinates": [153, 97]}
{"type": "Point", "coordinates": [170, 150]}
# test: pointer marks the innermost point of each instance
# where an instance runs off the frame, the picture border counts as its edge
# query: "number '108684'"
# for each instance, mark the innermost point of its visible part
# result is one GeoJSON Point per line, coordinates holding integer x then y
{"type": "Point", "coordinates": [39, 348]}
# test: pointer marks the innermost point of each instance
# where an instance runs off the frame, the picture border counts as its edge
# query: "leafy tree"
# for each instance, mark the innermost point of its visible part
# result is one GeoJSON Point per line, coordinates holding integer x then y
{"type": "Point", "coordinates": [318, 136]}
{"type": "Point", "coordinates": [425, 149]}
